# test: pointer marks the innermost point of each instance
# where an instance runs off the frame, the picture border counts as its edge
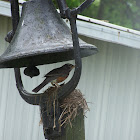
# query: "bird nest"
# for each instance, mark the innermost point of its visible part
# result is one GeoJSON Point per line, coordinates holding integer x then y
{"type": "Point", "coordinates": [70, 106]}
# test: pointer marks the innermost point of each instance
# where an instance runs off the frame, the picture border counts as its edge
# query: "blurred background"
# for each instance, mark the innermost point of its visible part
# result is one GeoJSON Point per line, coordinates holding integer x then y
{"type": "Point", "coordinates": [120, 12]}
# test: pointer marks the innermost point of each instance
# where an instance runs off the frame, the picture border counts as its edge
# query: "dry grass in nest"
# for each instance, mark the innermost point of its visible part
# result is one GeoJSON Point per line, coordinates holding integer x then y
{"type": "Point", "coordinates": [70, 106]}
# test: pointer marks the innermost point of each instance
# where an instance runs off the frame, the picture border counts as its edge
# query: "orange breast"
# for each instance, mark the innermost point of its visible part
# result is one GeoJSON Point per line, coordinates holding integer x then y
{"type": "Point", "coordinates": [60, 79]}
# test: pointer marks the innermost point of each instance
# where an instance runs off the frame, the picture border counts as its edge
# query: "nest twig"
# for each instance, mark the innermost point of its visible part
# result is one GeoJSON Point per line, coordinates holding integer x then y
{"type": "Point", "coordinates": [70, 106]}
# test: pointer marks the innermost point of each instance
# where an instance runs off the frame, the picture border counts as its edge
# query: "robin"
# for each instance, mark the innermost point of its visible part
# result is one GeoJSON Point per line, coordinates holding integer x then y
{"type": "Point", "coordinates": [55, 76]}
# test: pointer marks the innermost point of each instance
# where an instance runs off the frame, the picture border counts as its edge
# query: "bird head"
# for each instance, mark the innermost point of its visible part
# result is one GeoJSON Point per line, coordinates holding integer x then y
{"type": "Point", "coordinates": [69, 66]}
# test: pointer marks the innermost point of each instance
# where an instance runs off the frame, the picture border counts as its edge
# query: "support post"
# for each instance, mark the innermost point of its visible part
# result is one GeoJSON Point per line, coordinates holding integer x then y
{"type": "Point", "coordinates": [77, 132]}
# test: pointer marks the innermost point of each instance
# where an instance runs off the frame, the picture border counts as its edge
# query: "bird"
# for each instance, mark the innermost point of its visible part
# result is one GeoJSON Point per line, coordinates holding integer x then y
{"type": "Point", "coordinates": [55, 76]}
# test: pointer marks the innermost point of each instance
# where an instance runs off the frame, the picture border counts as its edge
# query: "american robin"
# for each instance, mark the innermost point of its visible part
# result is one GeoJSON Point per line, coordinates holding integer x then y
{"type": "Point", "coordinates": [55, 76]}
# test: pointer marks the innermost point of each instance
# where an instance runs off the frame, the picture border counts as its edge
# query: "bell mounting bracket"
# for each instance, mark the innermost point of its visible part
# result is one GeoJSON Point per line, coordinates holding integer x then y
{"type": "Point", "coordinates": [64, 91]}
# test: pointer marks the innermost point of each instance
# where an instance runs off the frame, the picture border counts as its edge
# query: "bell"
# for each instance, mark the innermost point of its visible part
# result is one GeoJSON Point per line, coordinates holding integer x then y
{"type": "Point", "coordinates": [42, 37]}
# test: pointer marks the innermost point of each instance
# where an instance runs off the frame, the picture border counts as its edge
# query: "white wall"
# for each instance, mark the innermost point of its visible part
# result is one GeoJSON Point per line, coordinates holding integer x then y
{"type": "Point", "coordinates": [110, 81]}
{"type": "Point", "coordinates": [112, 85]}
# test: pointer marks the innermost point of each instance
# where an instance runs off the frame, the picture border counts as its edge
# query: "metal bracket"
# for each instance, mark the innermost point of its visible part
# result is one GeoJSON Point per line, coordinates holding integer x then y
{"type": "Point", "coordinates": [67, 13]}
{"type": "Point", "coordinates": [40, 99]}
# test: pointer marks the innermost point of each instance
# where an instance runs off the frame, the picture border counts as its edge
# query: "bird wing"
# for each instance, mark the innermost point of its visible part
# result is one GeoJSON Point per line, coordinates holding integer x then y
{"type": "Point", "coordinates": [56, 74]}
{"type": "Point", "coordinates": [44, 83]}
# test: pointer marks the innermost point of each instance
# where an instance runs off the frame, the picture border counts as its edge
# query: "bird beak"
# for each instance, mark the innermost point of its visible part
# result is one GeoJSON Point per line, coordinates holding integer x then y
{"type": "Point", "coordinates": [73, 66]}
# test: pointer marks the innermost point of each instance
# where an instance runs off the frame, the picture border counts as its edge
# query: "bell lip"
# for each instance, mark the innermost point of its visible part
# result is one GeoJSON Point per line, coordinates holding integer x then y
{"type": "Point", "coordinates": [36, 58]}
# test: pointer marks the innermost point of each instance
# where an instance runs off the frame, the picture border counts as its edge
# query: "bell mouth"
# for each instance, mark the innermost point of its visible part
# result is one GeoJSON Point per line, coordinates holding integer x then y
{"type": "Point", "coordinates": [40, 57]}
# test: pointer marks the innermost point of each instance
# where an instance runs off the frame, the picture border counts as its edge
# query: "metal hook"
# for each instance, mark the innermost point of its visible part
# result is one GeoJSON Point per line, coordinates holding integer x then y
{"type": "Point", "coordinates": [67, 13]}
{"type": "Point", "coordinates": [66, 89]}
{"type": "Point", "coordinates": [15, 14]}
{"type": "Point", "coordinates": [71, 85]}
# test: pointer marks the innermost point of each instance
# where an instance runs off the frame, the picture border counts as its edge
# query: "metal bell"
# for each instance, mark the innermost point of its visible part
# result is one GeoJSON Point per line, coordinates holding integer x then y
{"type": "Point", "coordinates": [42, 37]}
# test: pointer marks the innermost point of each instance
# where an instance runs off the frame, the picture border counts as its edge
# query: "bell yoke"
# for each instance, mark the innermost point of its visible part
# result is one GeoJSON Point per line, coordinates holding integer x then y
{"type": "Point", "coordinates": [42, 37]}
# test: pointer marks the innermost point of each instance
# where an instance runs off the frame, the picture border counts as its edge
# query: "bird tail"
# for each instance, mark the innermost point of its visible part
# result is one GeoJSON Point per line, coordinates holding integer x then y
{"type": "Point", "coordinates": [39, 87]}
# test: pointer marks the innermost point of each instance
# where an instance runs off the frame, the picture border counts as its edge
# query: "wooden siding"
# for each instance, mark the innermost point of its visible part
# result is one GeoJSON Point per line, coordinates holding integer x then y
{"type": "Point", "coordinates": [110, 82]}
